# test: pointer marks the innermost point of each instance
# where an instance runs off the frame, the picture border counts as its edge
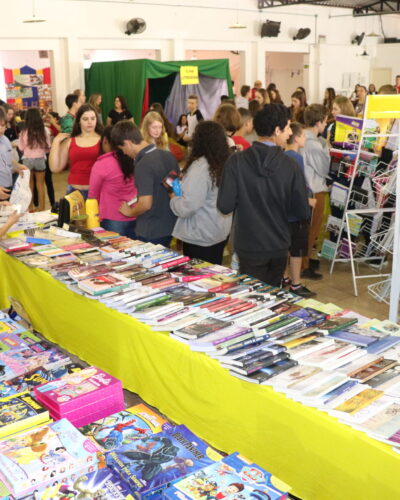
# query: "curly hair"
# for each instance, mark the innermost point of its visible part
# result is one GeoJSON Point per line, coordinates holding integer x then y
{"type": "Point", "coordinates": [151, 117]}
{"type": "Point", "coordinates": [209, 141]}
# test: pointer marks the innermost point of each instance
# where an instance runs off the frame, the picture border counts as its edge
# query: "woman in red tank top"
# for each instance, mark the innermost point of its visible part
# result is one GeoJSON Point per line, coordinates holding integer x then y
{"type": "Point", "coordinates": [80, 150]}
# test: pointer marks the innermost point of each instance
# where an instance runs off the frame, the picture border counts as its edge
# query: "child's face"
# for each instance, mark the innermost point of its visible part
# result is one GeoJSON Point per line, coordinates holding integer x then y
{"type": "Point", "coordinates": [192, 105]}
{"type": "Point", "coordinates": [249, 125]}
{"type": "Point", "coordinates": [184, 120]}
{"type": "Point", "coordinates": [295, 102]}
{"type": "Point", "coordinates": [335, 110]}
{"type": "Point", "coordinates": [301, 139]}
{"type": "Point", "coordinates": [321, 125]}
{"type": "Point", "coordinates": [155, 129]}
{"type": "Point", "coordinates": [10, 114]}
{"type": "Point", "coordinates": [3, 127]}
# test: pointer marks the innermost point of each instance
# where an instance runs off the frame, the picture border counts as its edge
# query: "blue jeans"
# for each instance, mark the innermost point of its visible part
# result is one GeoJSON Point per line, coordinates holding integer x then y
{"type": "Point", "coordinates": [123, 227]}
{"type": "Point", "coordinates": [164, 240]}
{"type": "Point", "coordinates": [84, 192]}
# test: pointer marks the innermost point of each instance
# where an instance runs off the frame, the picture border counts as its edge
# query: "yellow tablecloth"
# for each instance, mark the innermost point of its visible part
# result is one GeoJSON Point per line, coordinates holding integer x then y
{"type": "Point", "coordinates": [319, 457]}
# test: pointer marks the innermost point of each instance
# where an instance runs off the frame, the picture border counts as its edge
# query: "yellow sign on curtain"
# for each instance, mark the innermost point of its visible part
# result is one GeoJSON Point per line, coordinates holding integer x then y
{"type": "Point", "coordinates": [189, 75]}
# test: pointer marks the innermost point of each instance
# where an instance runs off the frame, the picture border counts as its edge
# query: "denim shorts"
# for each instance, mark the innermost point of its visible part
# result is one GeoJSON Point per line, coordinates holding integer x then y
{"type": "Point", "coordinates": [35, 164]}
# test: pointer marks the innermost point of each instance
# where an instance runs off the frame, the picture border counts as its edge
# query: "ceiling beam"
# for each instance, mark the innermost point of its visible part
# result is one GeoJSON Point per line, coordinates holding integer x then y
{"type": "Point", "coordinates": [374, 8]}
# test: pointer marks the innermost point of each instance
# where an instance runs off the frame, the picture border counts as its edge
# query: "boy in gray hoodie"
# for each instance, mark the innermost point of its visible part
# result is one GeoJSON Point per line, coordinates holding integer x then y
{"type": "Point", "coordinates": [316, 169]}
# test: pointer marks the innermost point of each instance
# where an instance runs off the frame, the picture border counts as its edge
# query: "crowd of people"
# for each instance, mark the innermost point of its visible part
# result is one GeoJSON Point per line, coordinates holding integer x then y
{"type": "Point", "coordinates": [256, 175]}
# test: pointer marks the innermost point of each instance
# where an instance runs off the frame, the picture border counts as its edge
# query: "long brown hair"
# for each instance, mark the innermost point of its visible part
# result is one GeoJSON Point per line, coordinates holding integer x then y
{"type": "Point", "coordinates": [93, 101]}
{"type": "Point", "coordinates": [35, 130]}
{"type": "Point", "coordinates": [76, 129]}
{"type": "Point", "coordinates": [209, 141]}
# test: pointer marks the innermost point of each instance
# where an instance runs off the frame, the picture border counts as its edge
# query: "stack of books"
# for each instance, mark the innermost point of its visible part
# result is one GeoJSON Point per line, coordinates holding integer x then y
{"type": "Point", "coordinates": [82, 397]}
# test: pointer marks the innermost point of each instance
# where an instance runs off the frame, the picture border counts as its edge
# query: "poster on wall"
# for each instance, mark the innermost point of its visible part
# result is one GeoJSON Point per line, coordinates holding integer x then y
{"type": "Point", "coordinates": [27, 87]}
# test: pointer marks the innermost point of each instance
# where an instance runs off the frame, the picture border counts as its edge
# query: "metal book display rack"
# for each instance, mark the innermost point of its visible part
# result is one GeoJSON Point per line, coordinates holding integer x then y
{"type": "Point", "coordinates": [368, 233]}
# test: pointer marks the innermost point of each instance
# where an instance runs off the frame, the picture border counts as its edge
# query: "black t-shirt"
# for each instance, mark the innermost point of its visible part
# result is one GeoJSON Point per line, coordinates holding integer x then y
{"type": "Point", "coordinates": [11, 134]}
{"type": "Point", "coordinates": [117, 117]}
{"type": "Point", "coordinates": [151, 166]}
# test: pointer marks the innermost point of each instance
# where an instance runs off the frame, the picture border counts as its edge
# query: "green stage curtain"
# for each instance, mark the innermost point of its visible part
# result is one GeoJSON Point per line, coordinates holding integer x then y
{"type": "Point", "coordinates": [128, 78]}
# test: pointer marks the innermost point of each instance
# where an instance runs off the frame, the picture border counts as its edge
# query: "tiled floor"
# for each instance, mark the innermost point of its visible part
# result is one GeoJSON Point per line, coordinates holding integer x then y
{"type": "Point", "coordinates": [336, 287]}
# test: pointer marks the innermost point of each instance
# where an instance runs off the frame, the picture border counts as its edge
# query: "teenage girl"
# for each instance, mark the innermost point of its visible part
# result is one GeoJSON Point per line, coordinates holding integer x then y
{"type": "Point", "coordinates": [34, 142]}
{"type": "Point", "coordinates": [80, 150]}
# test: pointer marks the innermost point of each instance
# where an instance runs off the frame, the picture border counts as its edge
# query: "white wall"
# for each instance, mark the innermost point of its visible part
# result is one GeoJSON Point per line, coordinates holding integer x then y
{"type": "Point", "coordinates": [173, 27]}
{"type": "Point", "coordinates": [286, 70]}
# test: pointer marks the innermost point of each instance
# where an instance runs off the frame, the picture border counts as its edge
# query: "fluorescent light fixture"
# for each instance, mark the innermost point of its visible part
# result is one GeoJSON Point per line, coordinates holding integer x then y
{"type": "Point", "coordinates": [33, 18]}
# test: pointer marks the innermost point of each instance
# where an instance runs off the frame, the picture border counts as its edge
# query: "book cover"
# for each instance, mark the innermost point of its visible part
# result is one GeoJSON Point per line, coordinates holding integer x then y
{"type": "Point", "coordinates": [218, 337]}
{"type": "Point", "coordinates": [380, 419]}
{"type": "Point", "coordinates": [309, 347]}
{"type": "Point", "coordinates": [353, 338]}
{"type": "Point", "coordinates": [373, 370]}
{"type": "Point", "coordinates": [257, 365]}
{"type": "Point", "coordinates": [20, 412]}
{"type": "Point", "coordinates": [293, 375]}
{"type": "Point", "coordinates": [27, 381]}
{"type": "Point", "coordinates": [102, 484]}
{"type": "Point", "coordinates": [42, 455]}
{"type": "Point", "coordinates": [263, 375]}
{"type": "Point", "coordinates": [383, 345]}
{"type": "Point", "coordinates": [358, 402]}
{"type": "Point", "coordinates": [78, 388]}
{"type": "Point", "coordinates": [327, 385]}
{"type": "Point", "coordinates": [310, 316]}
{"type": "Point", "coordinates": [9, 341]}
{"type": "Point", "coordinates": [152, 463]}
{"type": "Point", "coordinates": [234, 477]}
{"type": "Point", "coordinates": [103, 283]}
{"type": "Point", "coordinates": [337, 323]}
{"type": "Point", "coordinates": [124, 427]}
{"type": "Point", "coordinates": [387, 379]}
{"type": "Point", "coordinates": [8, 325]}
{"type": "Point", "coordinates": [327, 354]}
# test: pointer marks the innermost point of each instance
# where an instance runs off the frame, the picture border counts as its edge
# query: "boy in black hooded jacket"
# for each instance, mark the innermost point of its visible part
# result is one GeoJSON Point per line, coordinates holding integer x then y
{"type": "Point", "coordinates": [264, 187]}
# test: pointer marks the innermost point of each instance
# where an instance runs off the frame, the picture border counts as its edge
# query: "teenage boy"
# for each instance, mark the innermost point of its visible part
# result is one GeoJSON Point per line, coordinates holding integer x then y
{"type": "Point", "coordinates": [194, 116]}
{"type": "Point", "coordinates": [264, 187]}
{"type": "Point", "coordinates": [7, 164]}
{"type": "Point", "coordinates": [246, 128]}
{"type": "Point", "coordinates": [81, 96]}
{"type": "Point", "coordinates": [67, 121]}
{"type": "Point", "coordinates": [154, 218]}
{"type": "Point", "coordinates": [316, 168]}
{"type": "Point", "coordinates": [298, 228]}
{"type": "Point", "coordinates": [242, 101]}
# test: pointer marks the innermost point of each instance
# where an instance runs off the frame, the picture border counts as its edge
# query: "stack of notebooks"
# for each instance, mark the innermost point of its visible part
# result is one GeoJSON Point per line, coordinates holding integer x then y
{"type": "Point", "coordinates": [82, 397]}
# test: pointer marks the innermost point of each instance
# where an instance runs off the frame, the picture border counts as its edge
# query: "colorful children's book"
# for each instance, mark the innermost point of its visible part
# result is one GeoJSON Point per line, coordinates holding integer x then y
{"type": "Point", "coordinates": [40, 456]}
{"type": "Point", "coordinates": [102, 484]}
{"type": "Point", "coordinates": [20, 412]}
{"type": "Point", "coordinates": [27, 381]}
{"type": "Point", "coordinates": [234, 477]}
{"type": "Point", "coordinates": [9, 341]}
{"type": "Point", "coordinates": [151, 464]}
{"type": "Point", "coordinates": [7, 325]}
{"type": "Point", "coordinates": [124, 427]}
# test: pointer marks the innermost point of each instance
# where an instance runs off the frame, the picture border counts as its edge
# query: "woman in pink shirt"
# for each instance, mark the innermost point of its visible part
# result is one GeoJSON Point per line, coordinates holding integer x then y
{"type": "Point", "coordinates": [111, 183]}
{"type": "Point", "coordinates": [34, 142]}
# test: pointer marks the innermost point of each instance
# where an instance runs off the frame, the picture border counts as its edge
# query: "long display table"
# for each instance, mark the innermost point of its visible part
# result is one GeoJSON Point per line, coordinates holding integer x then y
{"type": "Point", "coordinates": [319, 457]}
